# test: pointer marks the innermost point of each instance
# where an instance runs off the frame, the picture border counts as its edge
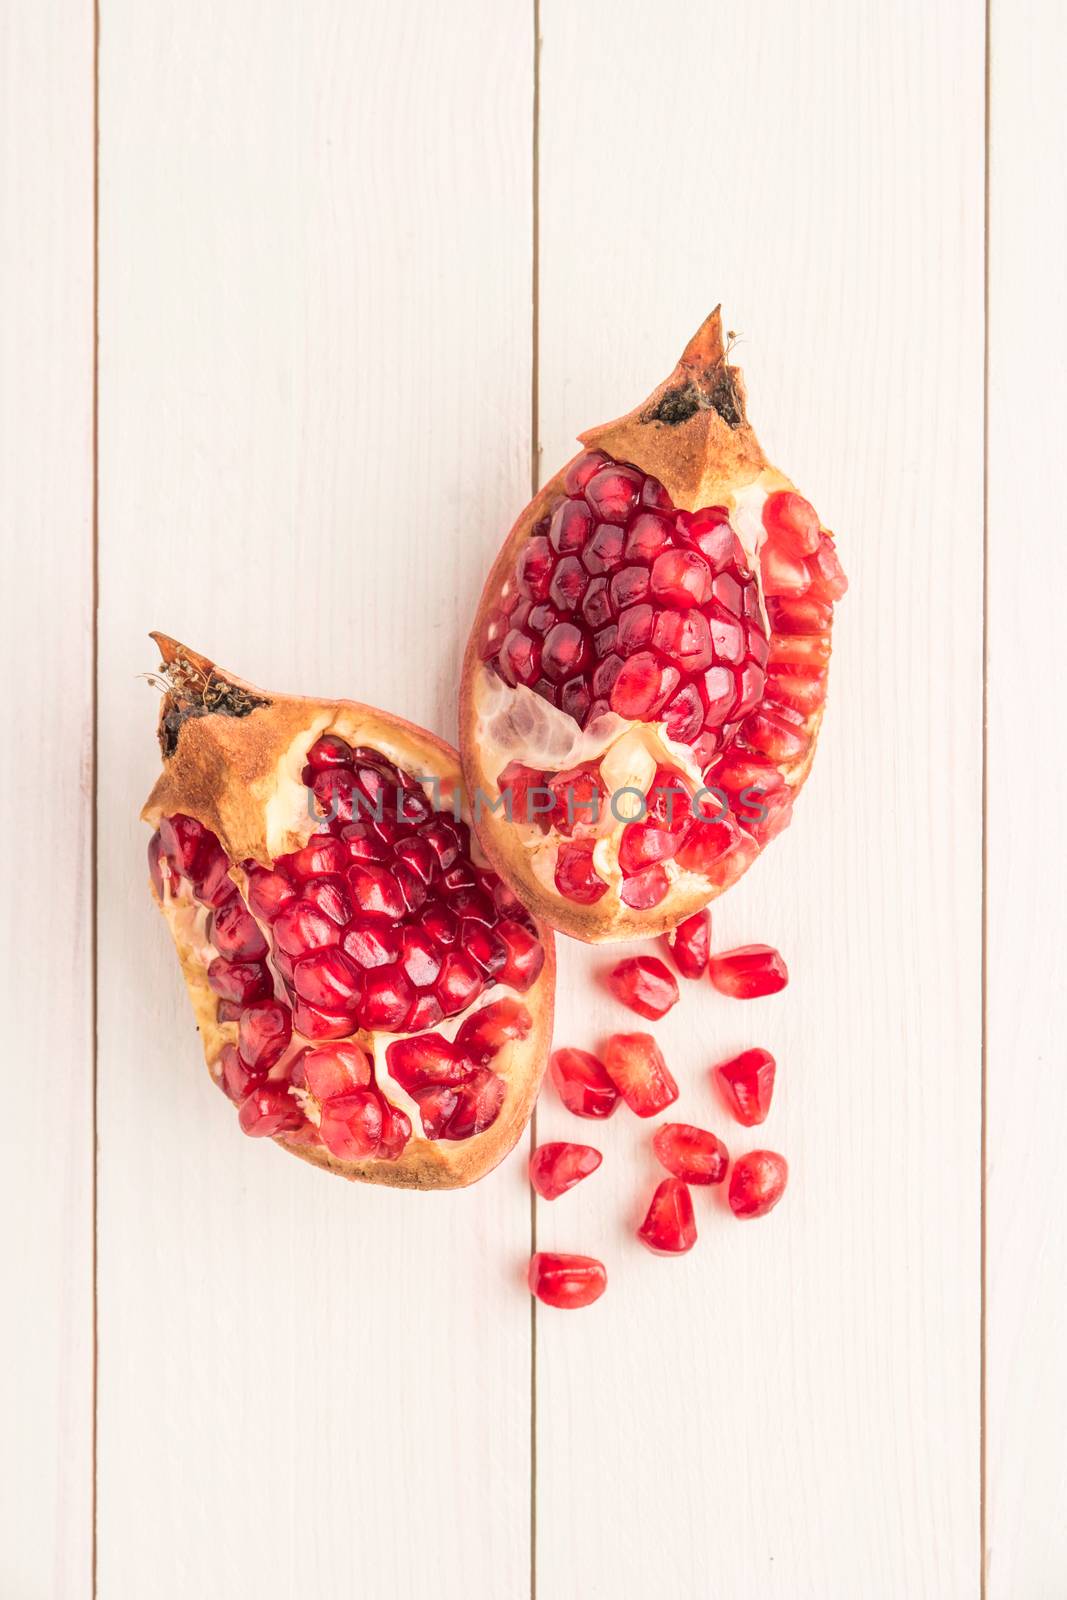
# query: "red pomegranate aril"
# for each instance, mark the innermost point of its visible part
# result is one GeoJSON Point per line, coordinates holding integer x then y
{"type": "Point", "coordinates": [681, 578]}
{"type": "Point", "coordinates": [268, 892]}
{"type": "Point", "coordinates": [263, 1034]}
{"type": "Point", "coordinates": [329, 751]}
{"type": "Point", "coordinates": [579, 795]}
{"type": "Point", "coordinates": [563, 652]}
{"type": "Point", "coordinates": [485, 1034]}
{"type": "Point", "coordinates": [396, 1131]}
{"type": "Point", "coordinates": [791, 523]}
{"type": "Point", "coordinates": [269, 1109]}
{"type": "Point", "coordinates": [330, 1070]}
{"type": "Point", "coordinates": [229, 1011]}
{"type": "Point", "coordinates": [642, 686]}
{"type": "Point", "coordinates": [351, 1125]}
{"type": "Point", "coordinates": [322, 853]}
{"type": "Point", "coordinates": [212, 884]}
{"type": "Point", "coordinates": [386, 1000]}
{"type": "Point", "coordinates": [155, 857]}
{"type": "Point", "coordinates": [747, 1084]}
{"type": "Point", "coordinates": [418, 857]}
{"type": "Point", "coordinates": [564, 1281]}
{"type": "Point", "coordinates": [748, 972]}
{"type": "Point", "coordinates": [576, 877]}
{"type": "Point", "coordinates": [642, 844]}
{"type": "Point", "coordinates": [235, 1079]}
{"type": "Point", "coordinates": [684, 717]}
{"type": "Point", "coordinates": [802, 689]}
{"type": "Point", "coordinates": [535, 567]}
{"type": "Point", "coordinates": [571, 525]}
{"type": "Point", "coordinates": [582, 469]}
{"type": "Point", "coordinates": [301, 926]}
{"type": "Point", "coordinates": [557, 1167]}
{"type": "Point", "coordinates": [635, 1065]}
{"type": "Point", "coordinates": [803, 614]}
{"type": "Point", "coordinates": [515, 782]}
{"type": "Point", "coordinates": [240, 981]}
{"type": "Point", "coordinates": [313, 1023]}
{"type": "Point", "coordinates": [330, 897]}
{"type": "Point", "coordinates": [235, 934]}
{"type": "Point", "coordinates": [372, 944]}
{"type": "Point", "coordinates": [436, 1106]}
{"type": "Point", "coordinates": [582, 1084]}
{"type": "Point", "coordinates": [828, 581]}
{"type": "Point", "coordinates": [613, 492]}
{"type": "Point", "coordinates": [458, 984]}
{"type": "Point", "coordinates": [645, 889]}
{"type": "Point", "coordinates": [775, 734]}
{"type": "Point", "coordinates": [525, 955]}
{"type": "Point", "coordinates": [692, 1154]}
{"type": "Point", "coordinates": [645, 985]}
{"type": "Point", "coordinates": [419, 958]}
{"type": "Point", "coordinates": [478, 1104]}
{"type": "Point", "coordinates": [706, 844]}
{"type": "Point", "coordinates": [375, 892]}
{"type": "Point", "coordinates": [690, 944]}
{"type": "Point", "coordinates": [327, 979]}
{"type": "Point", "coordinates": [669, 1228]}
{"type": "Point", "coordinates": [757, 1183]}
{"type": "Point", "coordinates": [182, 840]}
{"type": "Point", "coordinates": [426, 1061]}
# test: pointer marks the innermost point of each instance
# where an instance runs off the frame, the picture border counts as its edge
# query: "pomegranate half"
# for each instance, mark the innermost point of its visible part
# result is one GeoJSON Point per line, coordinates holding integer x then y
{"type": "Point", "coordinates": [369, 993]}
{"type": "Point", "coordinates": [646, 675]}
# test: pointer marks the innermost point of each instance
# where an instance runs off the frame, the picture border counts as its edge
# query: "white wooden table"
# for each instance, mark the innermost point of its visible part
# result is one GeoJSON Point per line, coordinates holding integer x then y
{"type": "Point", "coordinates": [270, 381]}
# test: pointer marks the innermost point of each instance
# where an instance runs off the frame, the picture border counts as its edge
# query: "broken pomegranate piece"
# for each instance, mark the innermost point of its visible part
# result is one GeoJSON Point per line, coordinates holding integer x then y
{"type": "Point", "coordinates": [692, 1154]}
{"type": "Point", "coordinates": [566, 1282]}
{"type": "Point", "coordinates": [376, 916]}
{"type": "Point", "coordinates": [747, 1084]}
{"type": "Point", "coordinates": [645, 985]}
{"type": "Point", "coordinates": [582, 1083]}
{"type": "Point", "coordinates": [636, 1067]}
{"type": "Point", "coordinates": [748, 972]}
{"type": "Point", "coordinates": [757, 1183]}
{"type": "Point", "coordinates": [669, 1229]}
{"type": "Point", "coordinates": [690, 944]}
{"type": "Point", "coordinates": [557, 1167]}
{"type": "Point", "coordinates": [624, 610]}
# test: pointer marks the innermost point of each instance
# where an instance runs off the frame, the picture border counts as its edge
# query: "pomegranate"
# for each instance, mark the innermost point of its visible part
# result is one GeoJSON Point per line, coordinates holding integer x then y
{"type": "Point", "coordinates": [647, 670]}
{"type": "Point", "coordinates": [370, 994]}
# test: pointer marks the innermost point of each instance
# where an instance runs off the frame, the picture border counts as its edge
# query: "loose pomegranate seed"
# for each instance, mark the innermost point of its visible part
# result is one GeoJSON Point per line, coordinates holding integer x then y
{"type": "Point", "coordinates": [351, 1125]}
{"type": "Point", "coordinates": [645, 985]}
{"type": "Point", "coordinates": [748, 972]}
{"type": "Point", "coordinates": [269, 1109]}
{"type": "Point", "coordinates": [635, 1065]}
{"type": "Point", "coordinates": [557, 1167]}
{"type": "Point", "coordinates": [576, 877]}
{"type": "Point", "coordinates": [670, 1228]}
{"type": "Point", "coordinates": [692, 1154]}
{"type": "Point", "coordinates": [690, 943]}
{"type": "Point", "coordinates": [582, 1084]}
{"type": "Point", "coordinates": [747, 1083]}
{"type": "Point", "coordinates": [791, 523]}
{"type": "Point", "coordinates": [566, 1282]}
{"type": "Point", "coordinates": [486, 1033]}
{"type": "Point", "coordinates": [333, 1070]}
{"type": "Point", "coordinates": [757, 1183]}
{"type": "Point", "coordinates": [263, 1034]}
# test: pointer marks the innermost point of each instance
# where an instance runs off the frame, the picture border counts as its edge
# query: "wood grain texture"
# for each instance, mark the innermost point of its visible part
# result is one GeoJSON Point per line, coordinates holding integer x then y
{"type": "Point", "coordinates": [793, 1410]}
{"type": "Point", "coordinates": [1027, 800]}
{"type": "Point", "coordinates": [315, 381]}
{"type": "Point", "coordinates": [46, 378]}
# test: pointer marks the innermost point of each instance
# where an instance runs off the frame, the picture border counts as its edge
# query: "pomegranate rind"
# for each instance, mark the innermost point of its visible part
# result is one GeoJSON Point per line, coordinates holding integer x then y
{"type": "Point", "coordinates": [228, 750]}
{"type": "Point", "coordinates": [693, 435]}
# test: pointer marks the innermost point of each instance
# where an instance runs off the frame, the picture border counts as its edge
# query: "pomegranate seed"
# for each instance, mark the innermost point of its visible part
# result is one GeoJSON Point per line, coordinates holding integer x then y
{"type": "Point", "coordinates": [459, 983]}
{"type": "Point", "coordinates": [268, 892]}
{"type": "Point", "coordinates": [707, 845]}
{"type": "Point", "coordinates": [300, 926]}
{"type": "Point", "coordinates": [335, 1069]}
{"type": "Point", "coordinates": [692, 1154]}
{"type": "Point", "coordinates": [748, 972]}
{"type": "Point", "coordinates": [579, 795]}
{"type": "Point", "coordinates": [478, 1104]}
{"type": "Point", "coordinates": [566, 1282]}
{"type": "Point", "coordinates": [645, 985]}
{"type": "Point", "coordinates": [328, 895]}
{"type": "Point", "coordinates": [327, 979]}
{"type": "Point", "coordinates": [269, 1109]}
{"type": "Point", "coordinates": [212, 884]}
{"type": "Point", "coordinates": [351, 1124]}
{"type": "Point", "coordinates": [828, 581]}
{"type": "Point", "coordinates": [436, 1106]}
{"type": "Point", "coordinates": [757, 1183]}
{"type": "Point", "coordinates": [576, 877]}
{"type": "Point", "coordinates": [791, 523]}
{"type": "Point", "coordinates": [396, 1131]}
{"type": "Point", "coordinates": [670, 1228]}
{"type": "Point", "coordinates": [642, 844]}
{"type": "Point", "coordinates": [646, 889]}
{"type": "Point", "coordinates": [635, 1065]}
{"type": "Point", "coordinates": [747, 1083]}
{"type": "Point", "coordinates": [155, 856]}
{"type": "Point", "coordinates": [315, 1024]}
{"type": "Point", "coordinates": [582, 1084]}
{"type": "Point", "coordinates": [182, 840]}
{"type": "Point", "coordinates": [235, 934]}
{"type": "Point", "coordinates": [228, 1011]}
{"type": "Point", "coordinates": [263, 1034]}
{"type": "Point", "coordinates": [557, 1167]}
{"type": "Point", "coordinates": [370, 944]}
{"type": "Point", "coordinates": [387, 999]}
{"type": "Point", "coordinates": [236, 1079]}
{"type": "Point", "coordinates": [690, 944]}
{"type": "Point", "coordinates": [426, 1061]}
{"type": "Point", "coordinates": [329, 751]}
{"type": "Point", "coordinates": [642, 687]}
{"type": "Point", "coordinates": [525, 958]}
{"type": "Point", "coordinates": [240, 981]}
{"type": "Point", "coordinates": [682, 578]}
{"type": "Point", "coordinates": [376, 892]}
{"type": "Point", "coordinates": [486, 1033]}
{"type": "Point", "coordinates": [420, 957]}
{"type": "Point", "coordinates": [322, 853]}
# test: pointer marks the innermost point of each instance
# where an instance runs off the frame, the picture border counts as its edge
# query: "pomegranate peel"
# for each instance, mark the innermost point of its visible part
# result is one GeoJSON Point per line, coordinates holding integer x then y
{"type": "Point", "coordinates": [325, 964]}
{"type": "Point", "coordinates": [665, 601]}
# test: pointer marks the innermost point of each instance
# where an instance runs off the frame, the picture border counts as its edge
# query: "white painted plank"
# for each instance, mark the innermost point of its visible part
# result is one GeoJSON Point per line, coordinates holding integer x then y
{"type": "Point", "coordinates": [315, 375]}
{"type": "Point", "coordinates": [1026, 1446]}
{"type": "Point", "coordinates": [793, 1410]}
{"type": "Point", "coordinates": [46, 1194]}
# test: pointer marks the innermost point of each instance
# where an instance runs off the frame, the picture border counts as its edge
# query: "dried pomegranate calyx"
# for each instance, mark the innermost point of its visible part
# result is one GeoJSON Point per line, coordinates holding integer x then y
{"type": "Point", "coordinates": [323, 906]}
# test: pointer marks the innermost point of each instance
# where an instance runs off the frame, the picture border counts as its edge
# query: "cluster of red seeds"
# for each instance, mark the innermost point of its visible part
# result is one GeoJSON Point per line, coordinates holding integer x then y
{"type": "Point", "coordinates": [381, 923]}
{"type": "Point", "coordinates": [633, 1070]}
{"type": "Point", "coordinates": [739, 700]}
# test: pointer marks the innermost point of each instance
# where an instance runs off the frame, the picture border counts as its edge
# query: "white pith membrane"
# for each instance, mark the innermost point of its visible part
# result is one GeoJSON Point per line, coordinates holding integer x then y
{"type": "Point", "coordinates": [288, 827]}
{"type": "Point", "coordinates": [516, 724]}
